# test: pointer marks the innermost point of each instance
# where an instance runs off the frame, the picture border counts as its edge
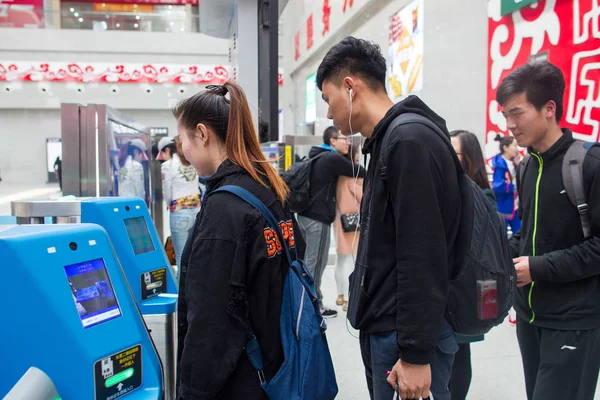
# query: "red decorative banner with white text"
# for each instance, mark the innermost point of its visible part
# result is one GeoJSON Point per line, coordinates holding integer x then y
{"type": "Point", "coordinates": [567, 32]}
{"type": "Point", "coordinates": [112, 73]}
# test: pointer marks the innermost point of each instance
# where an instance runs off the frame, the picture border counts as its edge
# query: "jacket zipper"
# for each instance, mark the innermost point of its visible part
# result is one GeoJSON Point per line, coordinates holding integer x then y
{"type": "Point", "coordinates": [535, 221]}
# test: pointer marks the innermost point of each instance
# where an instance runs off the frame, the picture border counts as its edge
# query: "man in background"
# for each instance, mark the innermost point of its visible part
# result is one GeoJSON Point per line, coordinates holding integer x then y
{"type": "Point", "coordinates": [315, 222]}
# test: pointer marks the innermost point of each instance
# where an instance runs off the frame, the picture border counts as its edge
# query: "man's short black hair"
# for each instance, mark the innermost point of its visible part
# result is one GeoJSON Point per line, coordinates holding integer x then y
{"type": "Point", "coordinates": [540, 81]}
{"type": "Point", "coordinates": [354, 56]}
{"type": "Point", "coordinates": [329, 133]}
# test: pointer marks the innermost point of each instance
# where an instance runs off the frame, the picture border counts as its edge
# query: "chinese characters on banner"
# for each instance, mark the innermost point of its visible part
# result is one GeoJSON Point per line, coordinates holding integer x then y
{"type": "Point", "coordinates": [326, 17]}
{"type": "Point", "coordinates": [348, 4]}
{"type": "Point", "coordinates": [323, 17]}
{"type": "Point", "coordinates": [309, 32]}
{"type": "Point", "coordinates": [567, 33]}
{"type": "Point", "coordinates": [405, 56]}
{"type": "Point", "coordinates": [297, 46]}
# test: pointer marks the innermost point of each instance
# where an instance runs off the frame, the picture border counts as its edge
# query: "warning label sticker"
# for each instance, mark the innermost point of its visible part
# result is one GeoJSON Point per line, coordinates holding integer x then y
{"type": "Point", "coordinates": [119, 374]}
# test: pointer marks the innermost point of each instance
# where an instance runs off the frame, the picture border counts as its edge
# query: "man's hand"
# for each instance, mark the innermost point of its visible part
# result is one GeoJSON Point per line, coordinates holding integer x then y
{"type": "Point", "coordinates": [410, 380]}
{"type": "Point", "coordinates": [523, 273]}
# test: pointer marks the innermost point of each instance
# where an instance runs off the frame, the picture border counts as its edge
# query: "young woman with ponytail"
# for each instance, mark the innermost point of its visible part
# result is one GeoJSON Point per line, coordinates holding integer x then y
{"type": "Point", "coordinates": [232, 267]}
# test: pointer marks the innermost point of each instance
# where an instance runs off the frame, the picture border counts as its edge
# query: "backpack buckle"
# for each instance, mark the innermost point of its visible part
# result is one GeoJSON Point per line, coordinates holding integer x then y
{"type": "Point", "coordinates": [583, 209]}
{"type": "Point", "coordinates": [261, 377]}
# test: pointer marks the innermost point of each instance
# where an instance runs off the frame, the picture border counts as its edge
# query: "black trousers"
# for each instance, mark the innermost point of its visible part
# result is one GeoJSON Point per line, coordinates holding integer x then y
{"type": "Point", "coordinates": [461, 373]}
{"type": "Point", "coordinates": [559, 364]}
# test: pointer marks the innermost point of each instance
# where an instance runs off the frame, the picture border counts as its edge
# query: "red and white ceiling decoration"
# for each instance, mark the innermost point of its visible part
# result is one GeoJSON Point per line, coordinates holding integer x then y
{"type": "Point", "coordinates": [24, 71]}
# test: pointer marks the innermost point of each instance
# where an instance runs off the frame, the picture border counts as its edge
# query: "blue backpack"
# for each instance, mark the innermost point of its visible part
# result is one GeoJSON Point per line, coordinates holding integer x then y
{"type": "Point", "coordinates": [307, 370]}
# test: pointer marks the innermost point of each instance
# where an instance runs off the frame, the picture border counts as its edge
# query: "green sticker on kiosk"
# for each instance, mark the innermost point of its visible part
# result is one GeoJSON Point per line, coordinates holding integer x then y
{"type": "Point", "coordinates": [153, 283]}
{"type": "Point", "coordinates": [119, 374]}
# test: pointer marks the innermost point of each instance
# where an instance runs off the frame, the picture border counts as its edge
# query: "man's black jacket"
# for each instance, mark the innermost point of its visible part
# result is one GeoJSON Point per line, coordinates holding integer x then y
{"type": "Point", "coordinates": [564, 267]}
{"type": "Point", "coordinates": [323, 182]}
{"type": "Point", "coordinates": [408, 233]}
{"type": "Point", "coordinates": [232, 278]}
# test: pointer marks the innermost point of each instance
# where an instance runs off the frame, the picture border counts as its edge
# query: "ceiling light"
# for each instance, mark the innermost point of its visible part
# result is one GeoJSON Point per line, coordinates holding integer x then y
{"type": "Point", "coordinates": [76, 14]}
{"type": "Point", "coordinates": [182, 29]}
{"type": "Point", "coordinates": [137, 17]}
{"type": "Point", "coordinates": [118, 25]}
{"type": "Point", "coordinates": [80, 19]}
{"type": "Point", "coordinates": [135, 6]}
{"type": "Point", "coordinates": [135, 25]}
{"type": "Point", "coordinates": [172, 23]}
{"type": "Point", "coordinates": [170, 7]}
{"type": "Point", "coordinates": [103, 5]}
{"type": "Point", "coordinates": [72, 9]}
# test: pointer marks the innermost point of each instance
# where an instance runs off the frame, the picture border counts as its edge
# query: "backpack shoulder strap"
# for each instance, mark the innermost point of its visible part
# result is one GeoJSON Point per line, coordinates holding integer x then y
{"type": "Point", "coordinates": [521, 171]}
{"type": "Point", "coordinates": [252, 346]}
{"type": "Point", "coordinates": [261, 208]}
{"type": "Point", "coordinates": [572, 175]}
{"type": "Point", "coordinates": [410, 118]}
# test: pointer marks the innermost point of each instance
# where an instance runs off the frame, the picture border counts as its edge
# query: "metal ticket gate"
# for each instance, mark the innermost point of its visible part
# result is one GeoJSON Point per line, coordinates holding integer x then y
{"type": "Point", "coordinates": [94, 137]}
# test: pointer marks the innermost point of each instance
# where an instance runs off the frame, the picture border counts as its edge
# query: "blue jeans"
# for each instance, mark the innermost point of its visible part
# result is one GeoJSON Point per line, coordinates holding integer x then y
{"type": "Point", "coordinates": [317, 236]}
{"type": "Point", "coordinates": [380, 353]}
{"type": "Point", "coordinates": [182, 222]}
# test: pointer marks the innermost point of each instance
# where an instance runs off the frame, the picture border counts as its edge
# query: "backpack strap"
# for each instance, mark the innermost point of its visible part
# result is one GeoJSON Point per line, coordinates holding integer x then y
{"type": "Point", "coordinates": [412, 118]}
{"type": "Point", "coordinates": [299, 268]}
{"type": "Point", "coordinates": [572, 176]}
{"type": "Point", "coordinates": [521, 171]}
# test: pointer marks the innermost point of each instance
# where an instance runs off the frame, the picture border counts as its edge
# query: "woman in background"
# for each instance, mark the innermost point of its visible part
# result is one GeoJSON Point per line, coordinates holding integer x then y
{"type": "Point", "coordinates": [469, 153]}
{"type": "Point", "coordinates": [180, 191]}
{"type": "Point", "coordinates": [131, 171]}
{"type": "Point", "coordinates": [349, 195]}
{"type": "Point", "coordinates": [505, 177]}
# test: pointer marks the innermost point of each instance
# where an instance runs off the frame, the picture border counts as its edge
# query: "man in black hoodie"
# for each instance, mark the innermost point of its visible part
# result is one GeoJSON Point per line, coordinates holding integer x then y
{"type": "Point", "coordinates": [316, 221]}
{"type": "Point", "coordinates": [558, 270]}
{"type": "Point", "coordinates": [409, 224]}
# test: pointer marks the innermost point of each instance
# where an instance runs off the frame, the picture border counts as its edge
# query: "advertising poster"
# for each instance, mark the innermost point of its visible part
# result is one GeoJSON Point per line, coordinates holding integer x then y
{"type": "Point", "coordinates": [405, 57]}
{"type": "Point", "coordinates": [564, 32]}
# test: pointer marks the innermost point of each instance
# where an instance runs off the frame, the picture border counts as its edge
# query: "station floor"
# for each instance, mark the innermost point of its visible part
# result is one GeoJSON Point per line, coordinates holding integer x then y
{"type": "Point", "coordinates": [497, 370]}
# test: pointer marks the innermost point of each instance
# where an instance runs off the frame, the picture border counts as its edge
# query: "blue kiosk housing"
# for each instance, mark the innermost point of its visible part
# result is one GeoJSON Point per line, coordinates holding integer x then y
{"type": "Point", "coordinates": [148, 271]}
{"type": "Point", "coordinates": [73, 316]}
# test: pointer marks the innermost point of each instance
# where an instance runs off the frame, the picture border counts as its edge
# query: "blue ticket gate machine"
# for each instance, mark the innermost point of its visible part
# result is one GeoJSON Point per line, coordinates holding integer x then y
{"type": "Point", "coordinates": [140, 252]}
{"type": "Point", "coordinates": [147, 269]}
{"type": "Point", "coordinates": [72, 316]}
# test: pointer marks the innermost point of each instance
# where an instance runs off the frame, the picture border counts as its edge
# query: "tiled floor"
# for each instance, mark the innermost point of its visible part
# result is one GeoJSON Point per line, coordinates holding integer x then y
{"type": "Point", "coordinates": [497, 370]}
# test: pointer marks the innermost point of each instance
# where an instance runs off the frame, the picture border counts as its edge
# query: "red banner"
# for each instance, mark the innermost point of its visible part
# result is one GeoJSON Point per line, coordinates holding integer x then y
{"type": "Point", "coordinates": [297, 46]}
{"type": "Point", "coordinates": [112, 73]}
{"type": "Point", "coordinates": [309, 32]}
{"type": "Point", "coordinates": [21, 14]}
{"type": "Point", "coordinates": [567, 32]}
{"type": "Point", "coordinates": [158, 2]}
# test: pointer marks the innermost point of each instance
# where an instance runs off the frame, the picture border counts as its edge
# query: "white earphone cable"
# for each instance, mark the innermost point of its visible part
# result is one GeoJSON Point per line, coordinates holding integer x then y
{"type": "Point", "coordinates": [356, 204]}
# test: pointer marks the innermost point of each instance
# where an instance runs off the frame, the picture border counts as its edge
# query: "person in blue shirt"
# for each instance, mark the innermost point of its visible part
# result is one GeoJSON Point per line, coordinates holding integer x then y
{"type": "Point", "coordinates": [505, 179]}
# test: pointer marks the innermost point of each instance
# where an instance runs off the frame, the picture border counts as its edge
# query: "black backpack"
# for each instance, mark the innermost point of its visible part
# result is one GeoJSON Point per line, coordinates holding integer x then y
{"type": "Point", "coordinates": [483, 275]}
{"type": "Point", "coordinates": [297, 177]}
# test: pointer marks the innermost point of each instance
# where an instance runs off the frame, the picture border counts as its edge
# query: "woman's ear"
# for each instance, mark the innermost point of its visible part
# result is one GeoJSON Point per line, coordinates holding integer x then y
{"type": "Point", "coordinates": [201, 132]}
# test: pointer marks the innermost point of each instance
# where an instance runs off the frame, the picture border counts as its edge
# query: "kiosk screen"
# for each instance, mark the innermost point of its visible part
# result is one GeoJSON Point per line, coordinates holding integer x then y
{"type": "Point", "coordinates": [139, 236]}
{"type": "Point", "coordinates": [92, 292]}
